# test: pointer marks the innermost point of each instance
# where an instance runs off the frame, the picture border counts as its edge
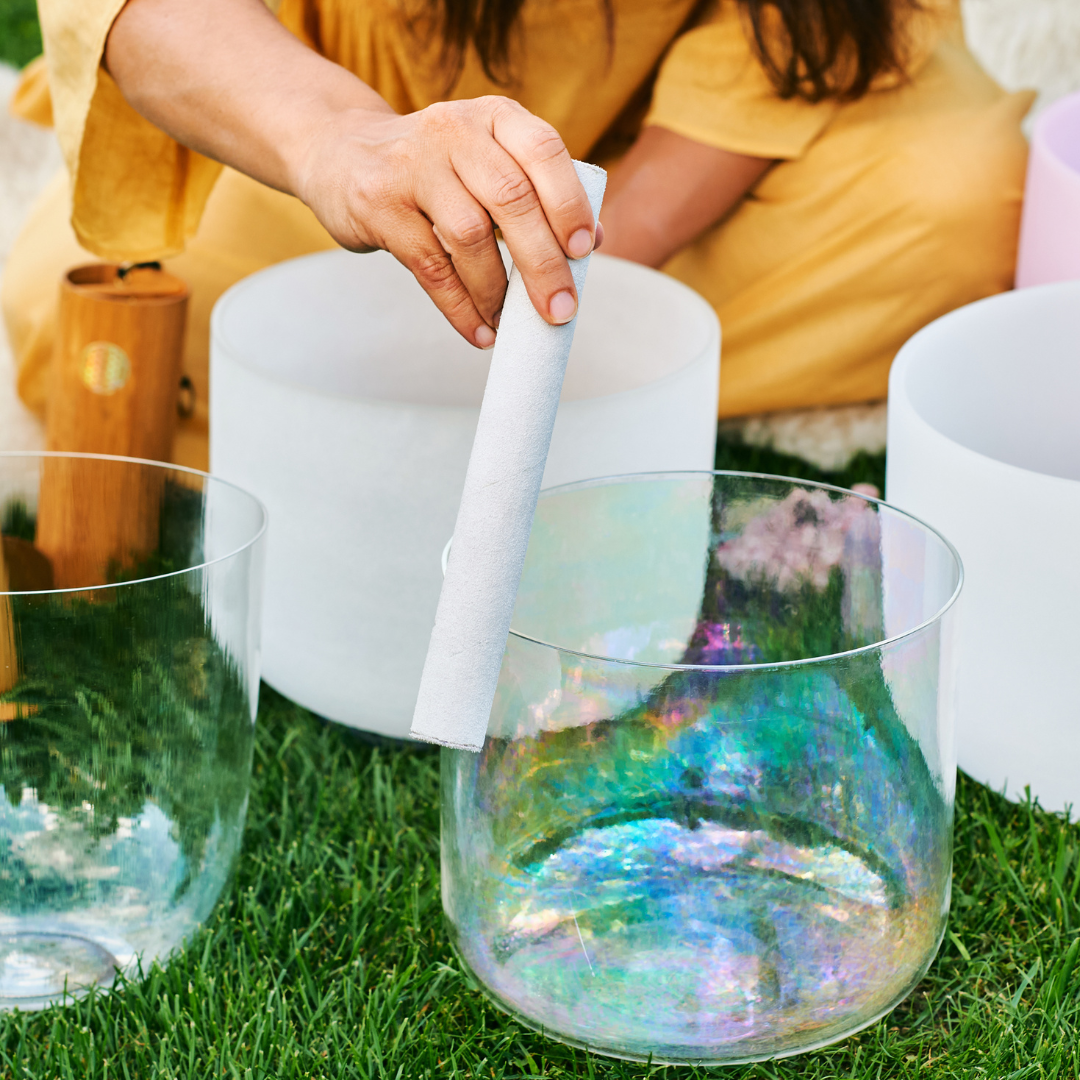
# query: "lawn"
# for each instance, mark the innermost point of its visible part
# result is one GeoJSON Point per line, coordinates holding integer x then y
{"type": "Point", "coordinates": [20, 38]}
{"type": "Point", "coordinates": [328, 957]}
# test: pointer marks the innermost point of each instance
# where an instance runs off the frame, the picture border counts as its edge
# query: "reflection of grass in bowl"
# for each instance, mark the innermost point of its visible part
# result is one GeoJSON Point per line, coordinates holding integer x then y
{"type": "Point", "coordinates": [126, 699]}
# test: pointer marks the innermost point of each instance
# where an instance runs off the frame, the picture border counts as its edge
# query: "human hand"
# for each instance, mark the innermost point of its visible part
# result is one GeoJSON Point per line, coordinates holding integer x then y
{"type": "Point", "coordinates": [227, 79]}
{"type": "Point", "coordinates": [430, 186]}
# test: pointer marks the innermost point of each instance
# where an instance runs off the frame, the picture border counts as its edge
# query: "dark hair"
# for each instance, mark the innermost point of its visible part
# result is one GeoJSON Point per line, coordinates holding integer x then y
{"type": "Point", "coordinates": [810, 49]}
{"type": "Point", "coordinates": [816, 49]}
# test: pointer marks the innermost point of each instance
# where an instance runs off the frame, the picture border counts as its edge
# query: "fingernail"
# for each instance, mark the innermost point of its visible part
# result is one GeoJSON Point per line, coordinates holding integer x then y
{"type": "Point", "coordinates": [599, 236]}
{"type": "Point", "coordinates": [562, 307]}
{"type": "Point", "coordinates": [484, 336]}
{"type": "Point", "coordinates": [496, 318]}
{"type": "Point", "coordinates": [580, 244]}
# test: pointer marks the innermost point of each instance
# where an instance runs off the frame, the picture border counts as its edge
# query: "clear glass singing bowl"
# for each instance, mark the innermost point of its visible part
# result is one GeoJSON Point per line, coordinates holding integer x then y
{"type": "Point", "coordinates": [129, 634]}
{"type": "Point", "coordinates": [712, 819]}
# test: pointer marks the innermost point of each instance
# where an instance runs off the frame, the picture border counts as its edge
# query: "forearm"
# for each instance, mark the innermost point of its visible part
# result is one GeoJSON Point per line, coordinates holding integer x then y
{"type": "Point", "coordinates": [668, 190]}
{"type": "Point", "coordinates": [225, 78]}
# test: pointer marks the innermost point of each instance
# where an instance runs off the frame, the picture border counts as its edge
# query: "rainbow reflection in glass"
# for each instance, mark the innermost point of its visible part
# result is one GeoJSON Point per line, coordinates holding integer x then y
{"type": "Point", "coordinates": [712, 820]}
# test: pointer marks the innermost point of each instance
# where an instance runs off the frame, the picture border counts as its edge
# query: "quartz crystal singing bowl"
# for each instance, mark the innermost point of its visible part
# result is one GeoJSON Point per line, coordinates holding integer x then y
{"type": "Point", "coordinates": [712, 819]}
{"type": "Point", "coordinates": [984, 443]}
{"type": "Point", "coordinates": [129, 644]}
{"type": "Point", "coordinates": [346, 402]}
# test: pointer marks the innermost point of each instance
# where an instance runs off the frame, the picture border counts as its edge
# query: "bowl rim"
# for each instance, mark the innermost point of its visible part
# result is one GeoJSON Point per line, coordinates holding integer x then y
{"type": "Point", "coordinates": [241, 357]}
{"type": "Point", "coordinates": [969, 321]}
{"type": "Point", "coordinates": [603, 481]}
{"type": "Point", "coordinates": [164, 465]}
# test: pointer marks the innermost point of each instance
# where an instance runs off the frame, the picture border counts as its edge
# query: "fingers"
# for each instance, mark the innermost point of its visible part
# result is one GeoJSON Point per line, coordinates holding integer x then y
{"type": "Point", "coordinates": [525, 179]}
{"type": "Point", "coordinates": [465, 231]}
{"type": "Point", "coordinates": [418, 248]}
{"type": "Point", "coordinates": [538, 149]}
{"type": "Point", "coordinates": [430, 186]}
{"type": "Point", "coordinates": [509, 197]}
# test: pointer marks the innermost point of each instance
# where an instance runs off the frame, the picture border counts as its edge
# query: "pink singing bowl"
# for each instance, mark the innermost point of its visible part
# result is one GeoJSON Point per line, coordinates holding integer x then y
{"type": "Point", "coordinates": [1050, 229]}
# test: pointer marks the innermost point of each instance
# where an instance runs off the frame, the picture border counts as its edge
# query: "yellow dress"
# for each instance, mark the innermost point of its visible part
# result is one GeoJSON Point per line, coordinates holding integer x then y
{"type": "Point", "coordinates": [880, 215]}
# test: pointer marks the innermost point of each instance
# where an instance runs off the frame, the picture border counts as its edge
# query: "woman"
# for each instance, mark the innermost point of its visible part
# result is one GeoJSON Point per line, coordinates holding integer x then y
{"type": "Point", "coordinates": [830, 174]}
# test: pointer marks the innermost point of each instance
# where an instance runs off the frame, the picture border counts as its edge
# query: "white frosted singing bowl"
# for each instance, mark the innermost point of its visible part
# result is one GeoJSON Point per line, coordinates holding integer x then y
{"type": "Point", "coordinates": [342, 399]}
{"type": "Point", "coordinates": [984, 444]}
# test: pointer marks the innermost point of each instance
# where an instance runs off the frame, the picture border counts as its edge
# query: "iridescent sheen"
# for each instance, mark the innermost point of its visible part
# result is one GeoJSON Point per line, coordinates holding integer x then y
{"type": "Point", "coordinates": [711, 863]}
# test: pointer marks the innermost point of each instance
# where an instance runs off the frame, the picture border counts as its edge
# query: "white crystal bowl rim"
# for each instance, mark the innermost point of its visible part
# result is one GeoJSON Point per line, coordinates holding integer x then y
{"type": "Point", "coordinates": [6, 455]}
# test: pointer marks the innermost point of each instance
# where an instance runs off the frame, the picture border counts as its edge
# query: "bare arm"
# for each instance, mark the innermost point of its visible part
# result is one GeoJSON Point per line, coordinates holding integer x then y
{"type": "Point", "coordinates": [224, 77]}
{"type": "Point", "coordinates": [668, 190]}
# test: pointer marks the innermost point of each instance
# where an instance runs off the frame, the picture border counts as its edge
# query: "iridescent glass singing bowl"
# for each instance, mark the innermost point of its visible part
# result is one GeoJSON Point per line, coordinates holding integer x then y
{"type": "Point", "coordinates": [712, 819]}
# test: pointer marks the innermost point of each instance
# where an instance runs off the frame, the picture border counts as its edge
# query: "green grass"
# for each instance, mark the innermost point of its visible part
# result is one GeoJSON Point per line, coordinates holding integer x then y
{"type": "Point", "coordinates": [863, 468]}
{"type": "Point", "coordinates": [20, 36]}
{"type": "Point", "coordinates": [329, 957]}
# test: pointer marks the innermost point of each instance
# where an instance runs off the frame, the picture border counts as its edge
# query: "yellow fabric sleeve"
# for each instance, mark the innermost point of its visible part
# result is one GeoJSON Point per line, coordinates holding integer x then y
{"type": "Point", "coordinates": [31, 100]}
{"type": "Point", "coordinates": [712, 88]}
{"type": "Point", "coordinates": [136, 193]}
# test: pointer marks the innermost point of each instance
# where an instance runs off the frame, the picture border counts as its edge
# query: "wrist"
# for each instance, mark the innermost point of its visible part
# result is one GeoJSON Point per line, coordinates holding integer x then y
{"type": "Point", "coordinates": [314, 158]}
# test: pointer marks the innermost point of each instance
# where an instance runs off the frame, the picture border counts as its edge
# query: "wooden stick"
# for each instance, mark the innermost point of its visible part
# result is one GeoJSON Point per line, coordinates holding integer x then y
{"type": "Point", "coordinates": [9, 660]}
{"type": "Point", "coordinates": [116, 380]}
{"type": "Point", "coordinates": [22, 569]}
{"type": "Point", "coordinates": [117, 364]}
{"type": "Point", "coordinates": [95, 517]}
